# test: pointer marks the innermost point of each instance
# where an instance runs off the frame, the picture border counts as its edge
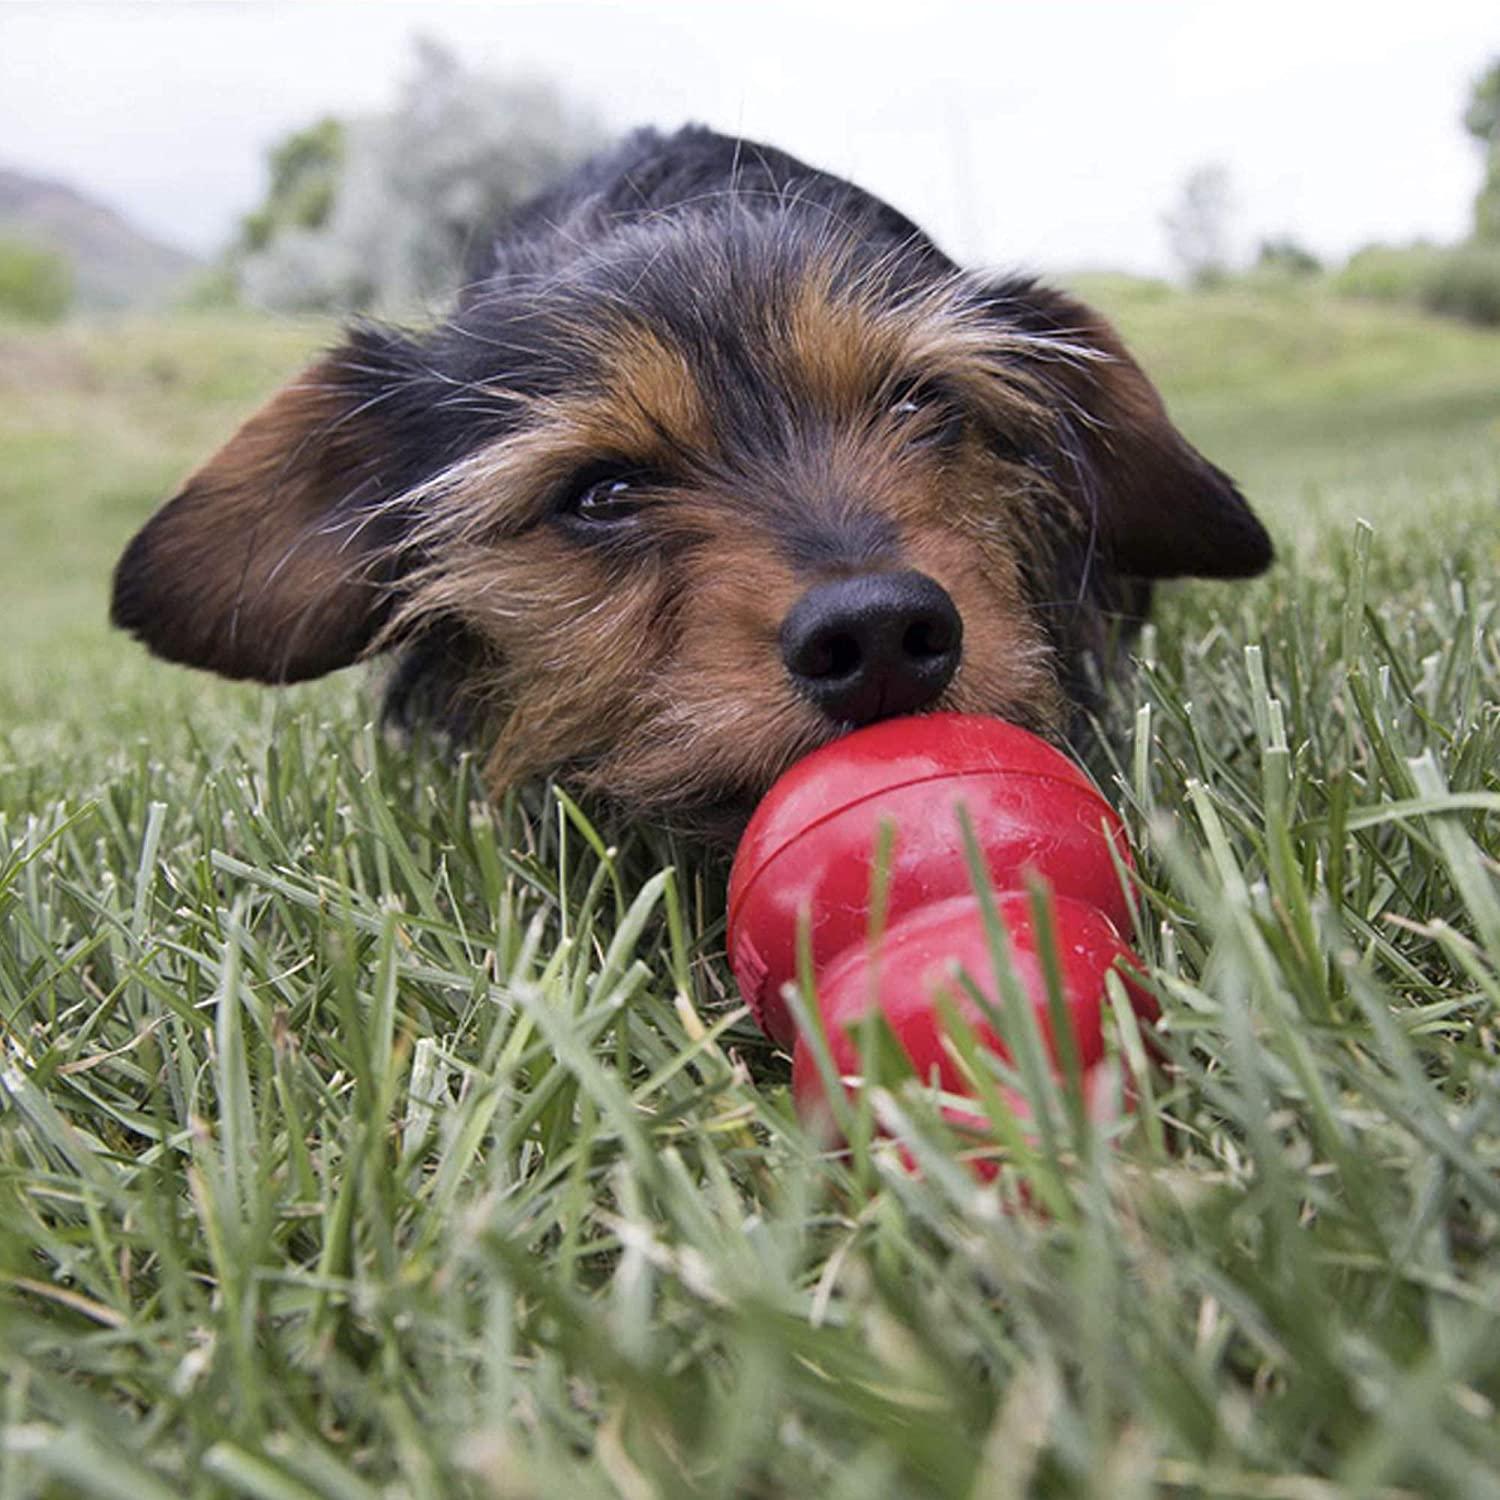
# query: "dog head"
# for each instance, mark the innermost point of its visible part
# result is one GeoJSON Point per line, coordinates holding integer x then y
{"type": "Point", "coordinates": [707, 494]}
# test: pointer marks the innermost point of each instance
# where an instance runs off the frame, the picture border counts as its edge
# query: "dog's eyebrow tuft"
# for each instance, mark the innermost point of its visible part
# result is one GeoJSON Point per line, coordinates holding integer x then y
{"type": "Point", "coordinates": [855, 344]}
{"type": "Point", "coordinates": [651, 394]}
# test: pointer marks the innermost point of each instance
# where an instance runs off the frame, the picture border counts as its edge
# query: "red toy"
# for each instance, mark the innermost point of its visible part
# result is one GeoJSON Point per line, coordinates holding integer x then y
{"type": "Point", "coordinates": [811, 846]}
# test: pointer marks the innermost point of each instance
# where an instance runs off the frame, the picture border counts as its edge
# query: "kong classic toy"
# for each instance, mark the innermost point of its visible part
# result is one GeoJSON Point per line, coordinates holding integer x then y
{"type": "Point", "coordinates": [811, 847]}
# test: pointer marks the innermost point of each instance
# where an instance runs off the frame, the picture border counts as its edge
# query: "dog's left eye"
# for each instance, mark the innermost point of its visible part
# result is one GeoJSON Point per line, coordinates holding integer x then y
{"type": "Point", "coordinates": [604, 498]}
{"type": "Point", "coordinates": [609, 500]}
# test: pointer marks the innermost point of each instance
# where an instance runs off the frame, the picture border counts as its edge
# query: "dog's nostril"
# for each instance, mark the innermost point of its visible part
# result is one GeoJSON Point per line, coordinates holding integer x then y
{"type": "Point", "coordinates": [929, 637]}
{"type": "Point", "coordinates": [829, 656]}
{"type": "Point", "coordinates": [878, 644]}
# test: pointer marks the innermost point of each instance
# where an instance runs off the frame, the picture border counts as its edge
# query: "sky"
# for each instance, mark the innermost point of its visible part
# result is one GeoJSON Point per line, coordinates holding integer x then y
{"type": "Point", "coordinates": [1046, 134]}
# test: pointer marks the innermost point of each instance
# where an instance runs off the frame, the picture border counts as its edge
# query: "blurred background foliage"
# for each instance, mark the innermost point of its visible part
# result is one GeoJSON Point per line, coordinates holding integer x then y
{"type": "Point", "coordinates": [1459, 280]}
{"type": "Point", "coordinates": [386, 213]}
{"type": "Point", "coordinates": [1482, 121]}
{"type": "Point", "coordinates": [36, 284]}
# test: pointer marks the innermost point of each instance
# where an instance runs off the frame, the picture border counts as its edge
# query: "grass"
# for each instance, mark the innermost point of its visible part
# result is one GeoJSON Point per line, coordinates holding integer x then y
{"type": "Point", "coordinates": [359, 1140]}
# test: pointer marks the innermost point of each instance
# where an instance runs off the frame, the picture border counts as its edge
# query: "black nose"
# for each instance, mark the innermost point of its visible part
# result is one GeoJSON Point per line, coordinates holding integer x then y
{"type": "Point", "coordinates": [869, 647]}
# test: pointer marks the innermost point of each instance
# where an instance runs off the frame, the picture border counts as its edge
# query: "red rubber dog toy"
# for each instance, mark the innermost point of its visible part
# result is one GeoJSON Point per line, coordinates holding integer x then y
{"type": "Point", "coordinates": [811, 847]}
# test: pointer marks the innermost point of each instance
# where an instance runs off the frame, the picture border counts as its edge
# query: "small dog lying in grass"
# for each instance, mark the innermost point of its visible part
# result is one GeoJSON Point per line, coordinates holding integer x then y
{"type": "Point", "coordinates": [719, 458]}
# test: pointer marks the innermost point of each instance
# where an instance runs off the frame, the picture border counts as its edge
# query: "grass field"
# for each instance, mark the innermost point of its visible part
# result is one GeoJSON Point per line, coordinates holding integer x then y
{"type": "Point", "coordinates": [359, 1141]}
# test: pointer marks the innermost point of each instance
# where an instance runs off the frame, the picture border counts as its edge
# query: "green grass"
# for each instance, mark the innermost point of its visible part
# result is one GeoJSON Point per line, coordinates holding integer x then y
{"type": "Point", "coordinates": [358, 1140]}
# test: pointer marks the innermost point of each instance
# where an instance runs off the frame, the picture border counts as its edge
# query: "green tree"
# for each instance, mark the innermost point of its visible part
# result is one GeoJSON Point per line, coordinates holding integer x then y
{"type": "Point", "coordinates": [304, 178]}
{"type": "Point", "coordinates": [1482, 121]}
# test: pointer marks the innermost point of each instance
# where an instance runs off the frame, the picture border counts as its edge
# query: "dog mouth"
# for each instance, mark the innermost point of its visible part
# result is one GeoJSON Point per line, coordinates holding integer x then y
{"type": "Point", "coordinates": [716, 811]}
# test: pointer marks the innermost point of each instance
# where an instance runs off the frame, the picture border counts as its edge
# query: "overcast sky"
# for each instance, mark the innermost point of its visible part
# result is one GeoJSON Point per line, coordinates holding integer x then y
{"type": "Point", "coordinates": [1046, 133]}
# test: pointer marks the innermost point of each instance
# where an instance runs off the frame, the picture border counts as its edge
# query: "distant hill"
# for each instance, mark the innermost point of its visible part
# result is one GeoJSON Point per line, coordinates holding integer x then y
{"type": "Point", "coordinates": [114, 264]}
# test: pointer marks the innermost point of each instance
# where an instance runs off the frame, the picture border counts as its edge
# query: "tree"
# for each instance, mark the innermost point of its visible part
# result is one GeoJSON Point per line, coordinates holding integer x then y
{"type": "Point", "coordinates": [305, 171]}
{"type": "Point", "coordinates": [1198, 225]}
{"type": "Point", "coordinates": [1482, 121]}
{"type": "Point", "coordinates": [384, 213]}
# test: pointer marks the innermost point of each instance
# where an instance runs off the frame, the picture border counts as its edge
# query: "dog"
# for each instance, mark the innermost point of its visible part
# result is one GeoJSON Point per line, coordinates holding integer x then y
{"type": "Point", "coordinates": [716, 458]}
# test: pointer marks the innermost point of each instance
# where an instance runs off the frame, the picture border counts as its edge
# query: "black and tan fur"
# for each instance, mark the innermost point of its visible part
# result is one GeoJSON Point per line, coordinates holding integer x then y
{"type": "Point", "coordinates": [696, 381]}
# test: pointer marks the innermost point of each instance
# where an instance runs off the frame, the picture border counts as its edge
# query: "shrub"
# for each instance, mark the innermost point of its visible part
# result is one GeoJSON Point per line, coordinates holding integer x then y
{"type": "Point", "coordinates": [1465, 283]}
{"type": "Point", "coordinates": [1284, 256]}
{"type": "Point", "coordinates": [1388, 273]}
{"type": "Point", "coordinates": [35, 284]}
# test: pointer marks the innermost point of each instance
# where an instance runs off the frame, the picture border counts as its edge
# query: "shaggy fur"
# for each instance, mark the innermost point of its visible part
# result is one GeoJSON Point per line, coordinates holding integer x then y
{"type": "Point", "coordinates": [694, 381]}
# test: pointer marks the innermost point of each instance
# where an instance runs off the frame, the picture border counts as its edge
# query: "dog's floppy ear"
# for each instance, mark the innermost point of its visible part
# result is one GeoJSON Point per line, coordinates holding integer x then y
{"type": "Point", "coordinates": [1162, 510]}
{"type": "Point", "coordinates": [272, 561]}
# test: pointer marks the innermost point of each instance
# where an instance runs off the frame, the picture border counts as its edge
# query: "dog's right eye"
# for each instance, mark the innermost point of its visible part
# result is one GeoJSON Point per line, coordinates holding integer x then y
{"type": "Point", "coordinates": [928, 414]}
